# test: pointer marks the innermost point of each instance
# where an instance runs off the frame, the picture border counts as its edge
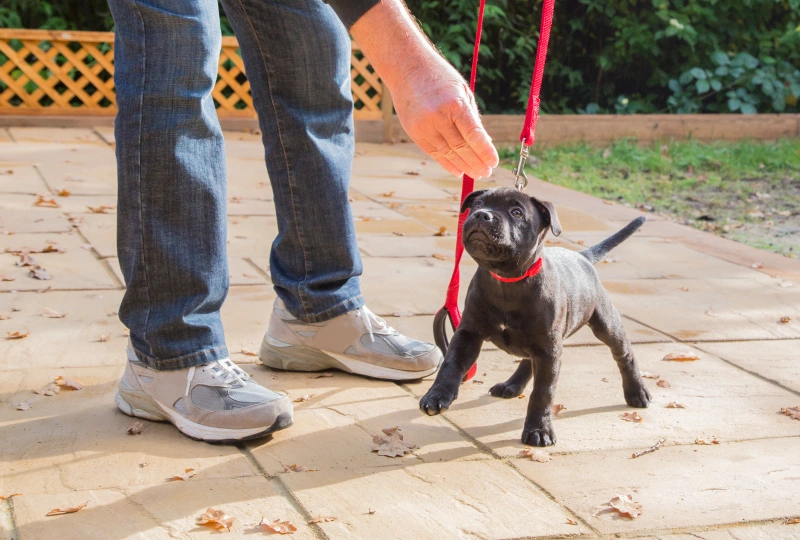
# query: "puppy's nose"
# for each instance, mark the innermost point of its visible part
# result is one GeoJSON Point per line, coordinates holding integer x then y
{"type": "Point", "coordinates": [484, 216]}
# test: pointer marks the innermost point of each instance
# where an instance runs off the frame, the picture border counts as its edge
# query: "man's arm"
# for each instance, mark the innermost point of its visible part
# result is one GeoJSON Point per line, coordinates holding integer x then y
{"type": "Point", "coordinates": [433, 102]}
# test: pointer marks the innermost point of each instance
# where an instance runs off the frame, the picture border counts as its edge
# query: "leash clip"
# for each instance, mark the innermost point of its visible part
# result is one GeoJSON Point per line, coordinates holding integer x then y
{"type": "Point", "coordinates": [520, 178]}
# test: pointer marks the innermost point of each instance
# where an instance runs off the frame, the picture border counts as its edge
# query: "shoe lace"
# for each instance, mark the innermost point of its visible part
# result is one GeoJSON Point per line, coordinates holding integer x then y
{"type": "Point", "coordinates": [370, 318]}
{"type": "Point", "coordinates": [226, 370]}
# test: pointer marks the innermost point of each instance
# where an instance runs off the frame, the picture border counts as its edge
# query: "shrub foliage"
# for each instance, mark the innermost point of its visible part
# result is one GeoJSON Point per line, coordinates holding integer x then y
{"type": "Point", "coordinates": [613, 56]}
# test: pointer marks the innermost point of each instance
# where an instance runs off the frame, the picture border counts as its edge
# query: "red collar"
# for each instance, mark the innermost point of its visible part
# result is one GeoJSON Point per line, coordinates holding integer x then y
{"type": "Point", "coordinates": [532, 271]}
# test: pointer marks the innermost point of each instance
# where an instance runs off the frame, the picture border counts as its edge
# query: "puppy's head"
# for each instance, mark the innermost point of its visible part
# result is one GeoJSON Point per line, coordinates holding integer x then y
{"type": "Point", "coordinates": [505, 229]}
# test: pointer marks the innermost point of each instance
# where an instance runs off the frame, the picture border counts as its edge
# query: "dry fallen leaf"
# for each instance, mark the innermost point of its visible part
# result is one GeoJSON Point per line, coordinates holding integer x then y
{"type": "Point", "coordinates": [681, 357]}
{"type": "Point", "coordinates": [143, 465]}
{"type": "Point", "coordinates": [571, 521]}
{"type": "Point", "coordinates": [648, 375]}
{"type": "Point", "coordinates": [477, 381]}
{"type": "Point", "coordinates": [37, 272]}
{"type": "Point", "coordinates": [557, 408]}
{"type": "Point", "coordinates": [521, 396]}
{"type": "Point", "coordinates": [388, 195]}
{"type": "Point", "coordinates": [7, 278]}
{"type": "Point", "coordinates": [69, 383]}
{"type": "Point", "coordinates": [675, 405]}
{"type": "Point", "coordinates": [371, 511]}
{"type": "Point", "coordinates": [4, 497]}
{"type": "Point", "coordinates": [294, 467]}
{"type": "Point", "coordinates": [711, 313]}
{"type": "Point", "coordinates": [46, 202]}
{"type": "Point", "coordinates": [625, 505]}
{"type": "Point", "coordinates": [322, 519]}
{"type": "Point", "coordinates": [135, 429]}
{"type": "Point", "coordinates": [52, 314]}
{"type": "Point", "coordinates": [411, 173]}
{"type": "Point", "coordinates": [391, 443]}
{"type": "Point", "coordinates": [23, 406]}
{"type": "Point", "coordinates": [63, 192]}
{"type": "Point", "coordinates": [50, 390]}
{"type": "Point", "coordinates": [59, 511]}
{"type": "Point", "coordinates": [785, 320]}
{"type": "Point", "coordinates": [216, 519]}
{"type": "Point", "coordinates": [16, 335]}
{"type": "Point", "coordinates": [187, 473]}
{"type": "Point", "coordinates": [685, 289]}
{"type": "Point", "coordinates": [102, 209]}
{"type": "Point", "coordinates": [790, 521]}
{"type": "Point", "coordinates": [706, 441]}
{"type": "Point", "coordinates": [631, 417]}
{"type": "Point", "coordinates": [535, 455]}
{"type": "Point", "coordinates": [4, 317]}
{"type": "Point", "coordinates": [440, 256]}
{"type": "Point", "coordinates": [792, 412]}
{"type": "Point", "coordinates": [248, 352]}
{"type": "Point", "coordinates": [278, 526]}
{"type": "Point", "coordinates": [26, 260]}
{"type": "Point", "coordinates": [301, 399]}
{"type": "Point", "coordinates": [442, 232]}
{"type": "Point", "coordinates": [663, 384]}
{"type": "Point", "coordinates": [325, 375]}
{"type": "Point", "coordinates": [102, 338]}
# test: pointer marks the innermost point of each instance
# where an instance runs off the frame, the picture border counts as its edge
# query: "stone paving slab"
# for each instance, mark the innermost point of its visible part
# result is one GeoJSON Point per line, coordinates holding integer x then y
{"type": "Point", "coordinates": [20, 179]}
{"type": "Point", "coordinates": [54, 135]}
{"type": "Point", "coordinates": [338, 421]}
{"type": "Point", "coordinates": [678, 486]}
{"type": "Point", "coordinates": [775, 360]}
{"type": "Point", "coordinates": [721, 401]}
{"type": "Point", "coordinates": [76, 268]}
{"type": "Point", "coordinates": [671, 284]}
{"type": "Point", "coordinates": [83, 169]}
{"type": "Point", "coordinates": [716, 309]}
{"type": "Point", "coordinates": [444, 504]}
{"type": "Point", "coordinates": [166, 510]}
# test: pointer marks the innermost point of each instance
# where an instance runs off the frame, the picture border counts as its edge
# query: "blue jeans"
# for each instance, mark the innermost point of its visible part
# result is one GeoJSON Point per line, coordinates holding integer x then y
{"type": "Point", "coordinates": [171, 166]}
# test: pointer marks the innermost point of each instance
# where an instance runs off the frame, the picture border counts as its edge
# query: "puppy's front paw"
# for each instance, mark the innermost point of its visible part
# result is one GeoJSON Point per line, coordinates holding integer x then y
{"type": "Point", "coordinates": [437, 400]}
{"type": "Point", "coordinates": [541, 434]}
{"type": "Point", "coordinates": [638, 396]}
{"type": "Point", "coordinates": [507, 390]}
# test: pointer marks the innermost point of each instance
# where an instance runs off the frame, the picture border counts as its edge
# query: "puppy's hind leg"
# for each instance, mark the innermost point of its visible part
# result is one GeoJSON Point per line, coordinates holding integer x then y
{"type": "Point", "coordinates": [514, 386]}
{"type": "Point", "coordinates": [607, 327]}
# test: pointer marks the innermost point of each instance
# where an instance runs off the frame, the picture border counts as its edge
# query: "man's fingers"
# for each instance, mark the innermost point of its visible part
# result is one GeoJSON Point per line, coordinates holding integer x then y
{"type": "Point", "coordinates": [469, 126]}
{"type": "Point", "coordinates": [448, 165]}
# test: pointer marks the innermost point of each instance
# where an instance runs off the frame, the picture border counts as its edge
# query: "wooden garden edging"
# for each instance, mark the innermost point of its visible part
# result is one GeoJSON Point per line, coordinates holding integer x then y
{"type": "Point", "coordinates": [65, 73]}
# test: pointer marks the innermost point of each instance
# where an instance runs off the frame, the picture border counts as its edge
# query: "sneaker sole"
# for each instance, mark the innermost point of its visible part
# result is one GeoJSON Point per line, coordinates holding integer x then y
{"type": "Point", "coordinates": [285, 356]}
{"type": "Point", "coordinates": [194, 430]}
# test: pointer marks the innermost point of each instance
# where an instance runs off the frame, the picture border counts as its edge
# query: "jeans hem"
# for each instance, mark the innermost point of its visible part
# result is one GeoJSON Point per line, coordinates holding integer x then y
{"type": "Point", "coordinates": [182, 362]}
{"type": "Point", "coordinates": [339, 309]}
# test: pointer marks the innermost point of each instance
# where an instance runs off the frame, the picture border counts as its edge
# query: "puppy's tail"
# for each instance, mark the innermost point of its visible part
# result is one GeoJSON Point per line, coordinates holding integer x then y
{"type": "Point", "coordinates": [597, 252]}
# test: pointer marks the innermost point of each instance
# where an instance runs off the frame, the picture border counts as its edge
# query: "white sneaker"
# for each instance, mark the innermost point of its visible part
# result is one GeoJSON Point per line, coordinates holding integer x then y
{"type": "Point", "coordinates": [216, 402]}
{"type": "Point", "coordinates": [358, 342]}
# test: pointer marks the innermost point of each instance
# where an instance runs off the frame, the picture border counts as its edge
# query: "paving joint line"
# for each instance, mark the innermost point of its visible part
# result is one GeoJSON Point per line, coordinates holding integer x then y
{"type": "Point", "coordinates": [282, 490]}
{"type": "Point", "coordinates": [486, 449]}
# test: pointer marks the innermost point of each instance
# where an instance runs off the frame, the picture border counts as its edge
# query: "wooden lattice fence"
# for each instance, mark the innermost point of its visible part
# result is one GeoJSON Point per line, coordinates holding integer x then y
{"type": "Point", "coordinates": [46, 72]}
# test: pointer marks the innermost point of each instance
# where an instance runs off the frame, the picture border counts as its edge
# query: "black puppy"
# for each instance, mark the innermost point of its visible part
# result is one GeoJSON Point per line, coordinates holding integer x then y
{"type": "Point", "coordinates": [527, 300]}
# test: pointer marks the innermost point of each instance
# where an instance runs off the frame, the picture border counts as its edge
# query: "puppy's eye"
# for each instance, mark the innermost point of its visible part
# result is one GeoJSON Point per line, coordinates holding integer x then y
{"type": "Point", "coordinates": [516, 212]}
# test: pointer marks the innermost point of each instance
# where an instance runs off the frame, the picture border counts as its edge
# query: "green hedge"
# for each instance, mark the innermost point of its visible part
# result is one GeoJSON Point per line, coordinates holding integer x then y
{"type": "Point", "coordinates": [629, 56]}
{"type": "Point", "coordinates": [617, 56]}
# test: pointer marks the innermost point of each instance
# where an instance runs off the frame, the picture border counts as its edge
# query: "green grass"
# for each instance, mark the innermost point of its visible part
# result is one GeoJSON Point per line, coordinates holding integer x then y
{"type": "Point", "coordinates": [748, 191]}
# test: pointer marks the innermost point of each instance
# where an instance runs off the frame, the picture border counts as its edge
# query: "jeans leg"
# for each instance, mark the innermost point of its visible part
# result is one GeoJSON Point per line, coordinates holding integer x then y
{"type": "Point", "coordinates": [171, 170]}
{"type": "Point", "coordinates": [297, 56]}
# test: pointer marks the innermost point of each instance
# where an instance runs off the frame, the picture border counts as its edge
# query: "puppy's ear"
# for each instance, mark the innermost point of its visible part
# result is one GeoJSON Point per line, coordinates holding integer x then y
{"type": "Point", "coordinates": [471, 198]}
{"type": "Point", "coordinates": [548, 211]}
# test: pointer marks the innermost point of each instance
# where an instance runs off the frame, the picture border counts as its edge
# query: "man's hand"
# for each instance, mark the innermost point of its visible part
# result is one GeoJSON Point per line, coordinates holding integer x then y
{"type": "Point", "coordinates": [433, 102]}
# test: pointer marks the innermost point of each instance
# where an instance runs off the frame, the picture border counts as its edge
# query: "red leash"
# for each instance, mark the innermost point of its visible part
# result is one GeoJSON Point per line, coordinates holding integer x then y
{"type": "Point", "coordinates": [450, 309]}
